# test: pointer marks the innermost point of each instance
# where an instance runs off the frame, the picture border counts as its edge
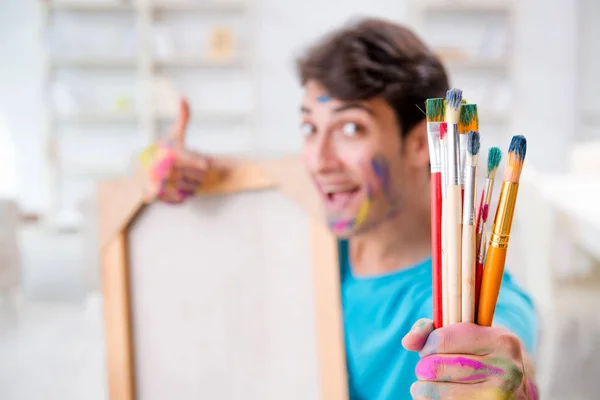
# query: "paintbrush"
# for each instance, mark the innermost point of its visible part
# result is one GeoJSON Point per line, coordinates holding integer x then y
{"type": "Point", "coordinates": [479, 272]}
{"type": "Point", "coordinates": [444, 140]}
{"type": "Point", "coordinates": [435, 115]}
{"type": "Point", "coordinates": [496, 254]}
{"type": "Point", "coordinates": [453, 208]}
{"type": "Point", "coordinates": [493, 161]}
{"type": "Point", "coordinates": [468, 122]}
{"type": "Point", "coordinates": [468, 230]}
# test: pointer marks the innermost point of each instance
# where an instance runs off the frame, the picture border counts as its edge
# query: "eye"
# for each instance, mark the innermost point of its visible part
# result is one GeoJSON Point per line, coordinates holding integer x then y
{"type": "Point", "coordinates": [350, 129]}
{"type": "Point", "coordinates": [307, 129]}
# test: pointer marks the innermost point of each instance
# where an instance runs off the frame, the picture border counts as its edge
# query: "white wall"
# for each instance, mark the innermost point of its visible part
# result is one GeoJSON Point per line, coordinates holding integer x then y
{"type": "Point", "coordinates": [546, 68]}
{"type": "Point", "coordinates": [20, 100]}
{"type": "Point", "coordinates": [546, 79]}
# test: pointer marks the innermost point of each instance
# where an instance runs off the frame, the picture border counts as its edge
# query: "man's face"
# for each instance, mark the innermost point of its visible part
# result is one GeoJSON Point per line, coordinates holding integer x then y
{"type": "Point", "coordinates": [353, 152]}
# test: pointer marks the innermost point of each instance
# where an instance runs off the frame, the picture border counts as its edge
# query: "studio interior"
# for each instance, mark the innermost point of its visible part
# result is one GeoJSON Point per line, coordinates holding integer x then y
{"type": "Point", "coordinates": [299, 199]}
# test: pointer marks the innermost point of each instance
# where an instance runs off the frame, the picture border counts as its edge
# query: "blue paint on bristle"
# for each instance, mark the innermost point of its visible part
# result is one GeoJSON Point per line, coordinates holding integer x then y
{"type": "Point", "coordinates": [518, 146]}
{"type": "Point", "coordinates": [473, 142]}
{"type": "Point", "coordinates": [454, 98]}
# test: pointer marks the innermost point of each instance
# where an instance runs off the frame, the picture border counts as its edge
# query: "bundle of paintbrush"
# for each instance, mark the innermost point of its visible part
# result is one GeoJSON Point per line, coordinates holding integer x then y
{"type": "Point", "coordinates": [463, 290]}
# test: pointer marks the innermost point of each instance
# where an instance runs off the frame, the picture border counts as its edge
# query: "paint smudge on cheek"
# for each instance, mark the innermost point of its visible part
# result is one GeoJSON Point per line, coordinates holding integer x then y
{"type": "Point", "coordinates": [340, 226]}
{"type": "Point", "coordinates": [378, 168]}
{"type": "Point", "coordinates": [382, 173]}
{"type": "Point", "coordinates": [324, 98]}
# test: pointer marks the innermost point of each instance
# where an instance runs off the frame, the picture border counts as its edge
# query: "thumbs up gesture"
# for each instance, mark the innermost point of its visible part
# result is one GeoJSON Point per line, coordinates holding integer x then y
{"type": "Point", "coordinates": [174, 173]}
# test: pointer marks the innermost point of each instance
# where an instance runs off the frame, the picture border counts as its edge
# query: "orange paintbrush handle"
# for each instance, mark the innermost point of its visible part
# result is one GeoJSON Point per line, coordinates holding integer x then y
{"type": "Point", "coordinates": [490, 285]}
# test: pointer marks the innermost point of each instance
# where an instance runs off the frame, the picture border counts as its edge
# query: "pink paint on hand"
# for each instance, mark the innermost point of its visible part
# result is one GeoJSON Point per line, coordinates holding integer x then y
{"type": "Point", "coordinates": [428, 368]}
{"type": "Point", "coordinates": [532, 389]}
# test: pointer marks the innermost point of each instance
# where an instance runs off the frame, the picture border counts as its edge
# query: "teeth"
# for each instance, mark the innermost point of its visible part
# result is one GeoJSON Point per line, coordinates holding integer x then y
{"type": "Point", "coordinates": [340, 191]}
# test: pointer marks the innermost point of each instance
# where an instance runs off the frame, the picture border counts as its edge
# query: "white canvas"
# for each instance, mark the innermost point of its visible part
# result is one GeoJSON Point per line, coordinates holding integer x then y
{"type": "Point", "coordinates": [222, 299]}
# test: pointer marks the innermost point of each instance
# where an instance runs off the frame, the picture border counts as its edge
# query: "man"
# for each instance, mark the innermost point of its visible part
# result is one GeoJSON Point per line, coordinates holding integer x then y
{"type": "Point", "coordinates": [365, 147]}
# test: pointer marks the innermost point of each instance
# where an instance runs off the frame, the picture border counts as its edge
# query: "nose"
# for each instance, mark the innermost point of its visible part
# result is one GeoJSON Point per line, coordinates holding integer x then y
{"type": "Point", "coordinates": [322, 154]}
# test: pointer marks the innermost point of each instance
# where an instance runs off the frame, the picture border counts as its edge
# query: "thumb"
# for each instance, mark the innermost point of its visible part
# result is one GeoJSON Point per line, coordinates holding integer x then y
{"type": "Point", "coordinates": [416, 338]}
{"type": "Point", "coordinates": [177, 134]}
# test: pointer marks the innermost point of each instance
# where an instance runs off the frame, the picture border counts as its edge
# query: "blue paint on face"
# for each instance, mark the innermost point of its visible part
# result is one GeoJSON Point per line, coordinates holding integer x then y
{"type": "Point", "coordinates": [324, 98]}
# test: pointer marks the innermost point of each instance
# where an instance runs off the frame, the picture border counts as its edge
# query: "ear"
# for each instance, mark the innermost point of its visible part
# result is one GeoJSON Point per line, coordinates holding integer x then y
{"type": "Point", "coordinates": [416, 148]}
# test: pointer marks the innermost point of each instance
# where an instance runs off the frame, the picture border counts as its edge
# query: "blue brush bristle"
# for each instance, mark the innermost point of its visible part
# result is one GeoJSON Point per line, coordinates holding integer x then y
{"type": "Point", "coordinates": [473, 142]}
{"type": "Point", "coordinates": [453, 98]}
{"type": "Point", "coordinates": [518, 146]}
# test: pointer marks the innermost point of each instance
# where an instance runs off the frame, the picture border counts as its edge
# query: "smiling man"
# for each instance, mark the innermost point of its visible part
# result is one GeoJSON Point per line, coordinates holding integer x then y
{"type": "Point", "coordinates": [365, 147]}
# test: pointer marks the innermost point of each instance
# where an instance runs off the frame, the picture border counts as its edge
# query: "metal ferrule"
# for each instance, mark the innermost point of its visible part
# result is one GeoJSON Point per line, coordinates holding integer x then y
{"type": "Point", "coordinates": [481, 251]}
{"type": "Point", "coordinates": [488, 192]}
{"type": "Point", "coordinates": [504, 215]}
{"type": "Point", "coordinates": [462, 144]}
{"type": "Point", "coordinates": [469, 202]}
{"type": "Point", "coordinates": [433, 138]}
{"type": "Point", "coordinates": [453, 155]}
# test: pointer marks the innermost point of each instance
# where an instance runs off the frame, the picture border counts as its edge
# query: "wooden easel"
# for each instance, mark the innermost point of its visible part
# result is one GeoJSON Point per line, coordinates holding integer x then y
{"type": "Point", "coordinates": [121, 203]}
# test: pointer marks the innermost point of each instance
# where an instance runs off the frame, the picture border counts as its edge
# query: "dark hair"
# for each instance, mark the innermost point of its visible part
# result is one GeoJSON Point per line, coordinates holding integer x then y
{"type": "Point", "coordinates": [377, 58]}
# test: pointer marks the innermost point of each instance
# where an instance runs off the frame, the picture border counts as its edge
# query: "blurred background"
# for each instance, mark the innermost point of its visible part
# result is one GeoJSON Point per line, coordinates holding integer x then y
{"type": "Point", "coordinates": [86, 84]}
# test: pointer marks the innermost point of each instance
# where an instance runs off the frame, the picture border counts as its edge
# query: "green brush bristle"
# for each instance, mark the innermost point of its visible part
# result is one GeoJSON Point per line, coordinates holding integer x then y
{"type": "Point", "coordinates": [468, 113]}
{"type": "Point", "coordinates": [494, 158]}
{"type": "Point", "coordinates": [473, 143]}
{"type": "Point", "coordinates": [434, 109]}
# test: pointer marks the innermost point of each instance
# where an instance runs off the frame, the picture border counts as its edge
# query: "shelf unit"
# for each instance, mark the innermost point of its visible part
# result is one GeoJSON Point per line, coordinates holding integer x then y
{"type": "Point", "coordinates": [145, 68]}
{"type": "Point", "coordinates": [203, 7]}
{"type": "Point", "coordinates": [494, 68]}
{"type": "Point", "coordinates": [589, 62]}
{"type": "Point", "coordinates": [462, 6]}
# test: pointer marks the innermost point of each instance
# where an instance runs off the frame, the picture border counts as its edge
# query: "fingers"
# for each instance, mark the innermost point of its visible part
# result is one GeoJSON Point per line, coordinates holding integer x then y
{"type": "Point", "coordinates": [463, 338]}
{"type": "Point", "coordinates": [176, 192]}
{"type": "Point", "coordinates": [457, 391]}
{"type": "Point", "coordinates": [177, 133]}
{"type": "Point", "coordinates": [458, 369]}
{"type": "Point", "coordinates": [416, 338]}
{"type": "Point", "coordinates": [192, 161]}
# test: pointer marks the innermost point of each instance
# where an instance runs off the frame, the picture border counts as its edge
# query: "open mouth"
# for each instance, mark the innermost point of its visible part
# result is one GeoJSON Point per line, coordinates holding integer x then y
{"type": "Point", "coordinates": [337, 200]}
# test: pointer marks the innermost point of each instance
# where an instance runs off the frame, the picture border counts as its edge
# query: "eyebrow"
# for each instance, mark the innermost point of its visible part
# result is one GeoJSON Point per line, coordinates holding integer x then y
{"type": "Point", "coordinates": [351, 106]}
{"type": "Point", "coordinates": [344, 107]}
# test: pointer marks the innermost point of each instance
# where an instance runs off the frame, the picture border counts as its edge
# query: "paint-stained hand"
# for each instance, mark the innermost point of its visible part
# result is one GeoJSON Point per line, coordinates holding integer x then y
{"type": "Point", "coordinates": [467, 361]}
{"type": "Point", "coordinates": [175, 173]}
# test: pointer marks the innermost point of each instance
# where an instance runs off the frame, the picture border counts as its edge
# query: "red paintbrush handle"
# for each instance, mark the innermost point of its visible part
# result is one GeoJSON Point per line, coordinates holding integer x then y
{"type": "Point", "coordinates": [478, 278]}
{"type": "Point", "coordinates": [436, 247]}
{"type": "Point", "coordinates": [479, 222]}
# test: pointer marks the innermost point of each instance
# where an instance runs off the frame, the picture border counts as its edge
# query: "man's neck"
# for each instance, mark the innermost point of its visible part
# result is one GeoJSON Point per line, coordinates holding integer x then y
{"type": "Point", "coordinates": [399, 242]}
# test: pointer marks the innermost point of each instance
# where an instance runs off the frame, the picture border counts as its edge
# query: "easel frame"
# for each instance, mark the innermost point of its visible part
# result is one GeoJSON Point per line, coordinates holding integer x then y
{"type": "Point", "coordinates": [122, 200]}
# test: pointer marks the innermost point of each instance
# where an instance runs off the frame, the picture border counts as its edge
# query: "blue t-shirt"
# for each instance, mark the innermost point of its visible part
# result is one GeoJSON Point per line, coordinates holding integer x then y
{"type": "Point", "coordinates": [379, 311]}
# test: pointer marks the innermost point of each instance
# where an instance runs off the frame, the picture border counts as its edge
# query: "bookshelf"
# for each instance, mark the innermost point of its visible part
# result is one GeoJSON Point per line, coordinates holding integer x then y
{"type": "Point", "coordinates": [117, 67]}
